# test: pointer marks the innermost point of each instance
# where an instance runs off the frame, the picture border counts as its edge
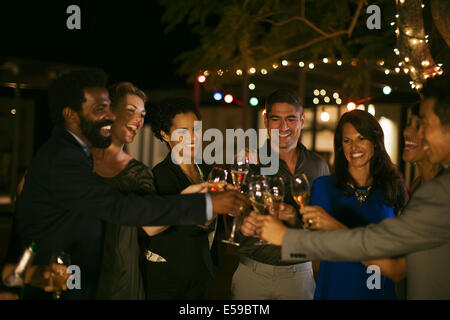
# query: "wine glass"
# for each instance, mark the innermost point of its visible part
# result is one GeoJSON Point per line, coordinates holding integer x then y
{"type": "Point", "coordinates": [59, 262]}
{"type": "Point", "coordinates": [239, 174]}
{"type": "Point", "coordinates": [300, 190]}
{"type": "Point", "coordinates": [277, 191]}
{"type": "Point", "coordinates": [217, 179]}
{"type": "Point", "coordinates": [260, 198]}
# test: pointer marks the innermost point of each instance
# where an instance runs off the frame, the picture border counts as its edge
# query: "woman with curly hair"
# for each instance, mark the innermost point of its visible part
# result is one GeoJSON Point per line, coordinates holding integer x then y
{"type": "Point", "coordinates": [187, 266]}
{"type": "Point", "coordinates": [366, 188]}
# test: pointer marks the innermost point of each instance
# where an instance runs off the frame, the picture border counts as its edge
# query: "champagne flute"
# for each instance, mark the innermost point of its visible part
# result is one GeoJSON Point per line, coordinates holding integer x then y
{"type": "Point", "coordinates": [59, 262]}
{"type": "Point", "coordinates": [300, 189]}
{"type": "Point", "coordinates": [259, 196]}
{"type": "Point", "coordinates": [277, 192]}
{"type": "Point", "coordinates": [239, 174]}
{"type": "Point", "coordinates": [217, 179]}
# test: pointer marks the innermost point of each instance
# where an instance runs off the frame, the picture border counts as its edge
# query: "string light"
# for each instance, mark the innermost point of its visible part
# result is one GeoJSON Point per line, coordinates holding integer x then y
{"type": "Point", "coordinates": [387, 90]}
{"type": "Point", "coordinates": [264, 71]}
{"type": "Point", "coordinates": [301, 64]}
{"type": "Point", "coordinates": [217, 96]}
{"type": "Point", "coordinates": [201, 78]}
{"type": "Point", "coordinates": [324, 116]}
{"type": "Point", "coordinates": [316, 92]}
{"type": "Point", "coordinates": [406, 70]}
{"type": "Point", "coordinates": [251, 86]}
{"type": "Point", "coordinates": [339, 63]}
{"type": "Point", "coordinates": [371, 109]}
{"type": "Point", "coordinates": [351, 106]}
{"type": "Point", "coordinates": [397, 70]}
{"type": "Point", "coordinates": [338, 101]}
{"type": "Point", "coordinates": [284, 63]}
{"type": "Point", "coordinates": [335, 95]}
{"type": "Point", "coordinates": [361, 107]}
{"type": "Point", "coordinates": [254, 101]}
{"type": "Point", "coordinates": [326, 99]}
{"type": "Point", "coordinates": [406, 59]}
{"type": "Point", "coordinates": [275, 65]}
{"type": "Point", "coordinates": [323, 92]}
{"type": "Point", "coordinates": [392, 23]}
{"type": "Point", "coordinates": [220, 72]}
{"type": "Point", "coordinates": [239, 72]}
{"type": "Point", "coordinates": [228, 98]}
{"type": "Point", "coordinates": [316, 100]}
{"type": "Point", "coordinates": [387, 71]}
{"type": "Point", "coordinates": [252, 70]}
{"type": "Point", "coordinates": [412, 69]}
{"type": "Point", "coordinates": [396, 51]}
{"type": "Point", "coordinates": [325, 60]}
{"type": "Point", "coordinates": [425, 63]}
{"type": "Point", "coordinates": [311, 65]}
{"type": "Point", "coordinates": [206, 73]}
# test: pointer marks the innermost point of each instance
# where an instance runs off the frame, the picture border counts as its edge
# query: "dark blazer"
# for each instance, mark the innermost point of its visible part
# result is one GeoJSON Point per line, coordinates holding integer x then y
{"type": "Point", "coordinates": [421, 232]}
{"type": "Point", "coordinates": [62, 207]}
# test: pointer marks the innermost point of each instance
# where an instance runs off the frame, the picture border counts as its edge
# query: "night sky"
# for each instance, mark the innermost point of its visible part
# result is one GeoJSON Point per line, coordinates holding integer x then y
{"type": "Point", "coordinates": [124, 38]}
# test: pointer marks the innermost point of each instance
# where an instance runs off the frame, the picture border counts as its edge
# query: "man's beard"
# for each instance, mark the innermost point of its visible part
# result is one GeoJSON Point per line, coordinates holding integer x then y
{"type": "Point", "coordinates": [91, 130]}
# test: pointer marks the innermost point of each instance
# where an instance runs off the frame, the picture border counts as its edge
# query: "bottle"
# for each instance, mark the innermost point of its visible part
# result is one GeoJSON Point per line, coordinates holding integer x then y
{"type": "Point", "coordinates": [17, 277]}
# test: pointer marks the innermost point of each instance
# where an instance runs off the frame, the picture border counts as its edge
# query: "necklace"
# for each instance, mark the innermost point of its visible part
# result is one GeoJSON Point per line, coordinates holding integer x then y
{"type": "Point", "coordinates": [361, 195]}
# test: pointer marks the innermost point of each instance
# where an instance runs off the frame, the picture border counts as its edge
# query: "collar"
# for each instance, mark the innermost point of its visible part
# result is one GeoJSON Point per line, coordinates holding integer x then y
{"type": "Point", "coordinates": [81, 142]}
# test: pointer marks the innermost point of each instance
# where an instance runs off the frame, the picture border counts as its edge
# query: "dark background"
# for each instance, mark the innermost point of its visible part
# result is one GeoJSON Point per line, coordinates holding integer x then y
{"type": "Point", "coordinates": [124, 38]}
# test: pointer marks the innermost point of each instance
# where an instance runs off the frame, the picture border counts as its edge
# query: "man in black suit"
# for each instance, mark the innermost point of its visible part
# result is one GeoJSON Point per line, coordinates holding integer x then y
{"type": "Point", "coordinates": [62, 204]}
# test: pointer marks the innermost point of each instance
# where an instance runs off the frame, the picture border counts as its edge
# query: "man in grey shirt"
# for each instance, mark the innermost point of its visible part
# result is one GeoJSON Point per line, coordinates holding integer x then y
{"type": "Point", "coordinates": [261, 274]}
{"type": "Point", "coordinates": [421, 232]}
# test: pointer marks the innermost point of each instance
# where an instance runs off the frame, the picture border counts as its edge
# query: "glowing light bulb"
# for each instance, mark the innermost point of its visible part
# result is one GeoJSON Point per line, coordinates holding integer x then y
{"type": "Point", "coordinates": [425, 63]}
{"type": "Point", "coordinates": [251, 86]}
{"type": "Point", "coordinates": [316, 92]}
{"type": "Point", "coordinates": [228, 98]}
{"type": "Point", "coordinates": [252, 70]}
{"type": "Point", "coordinates": [275, 66]}
{"type": "Point", "coordinates": [201, 78]}
{"type": "Point", "coordinates": [326, 99]}
{"type": "Point", "coordinates": [316, 100]}
{"type": "Point", "coordinates": [406, 59]}
{"type": "Point", "coordinates": [220, 72]}
{"type": "Point", "coordinates": [397, 70]}
{"type": "Point", "coordinates": [339, 63]}
{"type": "Point", "coordinates": [335, 95]}
{"type": "Point", "coordinates": [325, 60]}
{"type": "Point", "coordinates": [311, 65]}
{"type": "Point", "coordinates": [351, 106]}
{"type": "Point", "coordinates": [387, 90]}
{"type": "Point", "coordinates": [371, 109]}
{"type": "Point", "coordinates": [263, 71]}
{"type": "Point", "coordinates": [284, 63]}
{"type": "Point", "coordinates": [338, 101]}
{"type": "Point", "coordinates": [217, 96]}
{"type": "Point", "coordinates": [239, 72]}
{"type": "Point", "coordinates": [323, 92]}
{"type": "Point", "coordinates": [254, 102]}
{"type": "Point", "coordinates": [387, 71]}
{"type": "Point", "coordinates": [361, 107]}
{"type": "Point", "coordinates": [325, 116]}
{"type": "Point", "coordinates": [301, 64]}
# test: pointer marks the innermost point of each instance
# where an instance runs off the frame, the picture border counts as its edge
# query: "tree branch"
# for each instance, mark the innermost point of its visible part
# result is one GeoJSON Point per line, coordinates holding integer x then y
{"type": "Point", "coordinates": [355, 18]}
{"type": "Point", "coordinates": [296, 18]}
{"type": "Point", "coordinates": [303, 46]}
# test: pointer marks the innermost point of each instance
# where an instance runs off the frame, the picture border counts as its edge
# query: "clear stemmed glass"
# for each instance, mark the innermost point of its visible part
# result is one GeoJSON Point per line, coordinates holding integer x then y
{"type": "Point", "coordinates": [300, 190]}
{"type": "Point", "coordinates": [277, 191]}
{"type": "Point", "coordinates": [260, 198]}
{"type": "Point", "coordinates": [239, 174]}
{"type": "Point", "coordinates": [217, 180]}
{"type": "Point", "coordinates": [59, 262]}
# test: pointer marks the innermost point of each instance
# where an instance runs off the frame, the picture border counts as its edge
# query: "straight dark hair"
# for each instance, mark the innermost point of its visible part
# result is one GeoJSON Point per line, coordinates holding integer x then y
{"type": "Point", "coordinates": [386, 177]}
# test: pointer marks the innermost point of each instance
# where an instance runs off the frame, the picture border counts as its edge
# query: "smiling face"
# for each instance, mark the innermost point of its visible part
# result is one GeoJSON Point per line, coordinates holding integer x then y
{"type": "Point", "coordinates": [288, 120]}
{"type": "Point", "coordinates": [95, 117]}
{"type": "Point", "coordinates": [130, 113]}
{"type": "Point", "coordinates": [437, 137]}
{"type": "Point", "coordinates": [414, 140]}
{"type": "Point", "coordinates": [358, 150]}
{"type": "Point", "coordinates": [183, 122]}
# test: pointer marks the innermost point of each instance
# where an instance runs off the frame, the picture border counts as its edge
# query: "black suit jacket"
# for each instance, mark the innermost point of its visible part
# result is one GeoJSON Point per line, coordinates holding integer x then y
{"type": "Point", "coordinates": [62, 207]}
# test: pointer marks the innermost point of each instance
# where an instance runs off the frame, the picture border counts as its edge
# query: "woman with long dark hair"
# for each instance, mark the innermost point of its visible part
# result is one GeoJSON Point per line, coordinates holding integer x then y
{"type": "Point", "coordinates": [366, 188]}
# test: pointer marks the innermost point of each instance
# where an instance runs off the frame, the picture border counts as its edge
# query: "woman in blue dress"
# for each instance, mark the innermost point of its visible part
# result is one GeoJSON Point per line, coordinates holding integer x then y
{"type": "Point", "coordinates": [366, 188]}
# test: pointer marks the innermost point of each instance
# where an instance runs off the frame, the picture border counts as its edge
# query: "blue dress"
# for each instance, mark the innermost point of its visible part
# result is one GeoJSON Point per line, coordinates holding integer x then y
{"type": "Point", "coordinates": [348, 280]}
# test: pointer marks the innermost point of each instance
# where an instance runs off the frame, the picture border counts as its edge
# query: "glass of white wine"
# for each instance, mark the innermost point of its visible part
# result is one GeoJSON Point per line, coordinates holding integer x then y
{"type": "Point", "coordinates": [59, 262]}
{"type": "Point", "coordinates": [260, 198]}
{"type": "Point", "coordinates": [277, 191]}
{"type": "Point", "coordinates": [239, 174]}
{"type": "Point", "coordinates": [300, 190]}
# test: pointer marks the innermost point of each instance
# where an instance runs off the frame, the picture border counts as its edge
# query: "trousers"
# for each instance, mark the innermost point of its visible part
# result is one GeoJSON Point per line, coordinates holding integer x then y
{"type": "Point", "coordinates": [254, 280]}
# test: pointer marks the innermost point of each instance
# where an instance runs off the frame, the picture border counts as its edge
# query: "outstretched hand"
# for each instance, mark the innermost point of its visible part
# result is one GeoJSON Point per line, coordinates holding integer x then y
{"type": "Point", "coordinates": [196, 188]}
{"type": "Point", "coordinates": [230, 202]}
{"type": "Point", "coordinates": [270, 229]}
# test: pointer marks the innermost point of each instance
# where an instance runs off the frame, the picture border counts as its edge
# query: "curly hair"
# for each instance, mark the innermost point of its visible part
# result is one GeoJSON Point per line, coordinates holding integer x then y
{"type": "Point", "coordinates": [161, 115]}
{"type": "Point", "coordinates": [119, 90]}
{"type": "Point", "coordinates": [67, 91]}
{"type": "Point", "coordinates": [385, 175]}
